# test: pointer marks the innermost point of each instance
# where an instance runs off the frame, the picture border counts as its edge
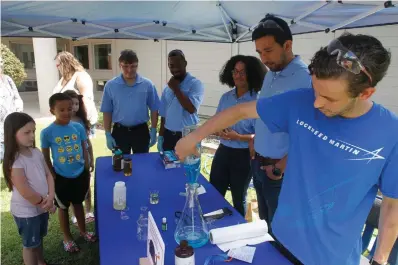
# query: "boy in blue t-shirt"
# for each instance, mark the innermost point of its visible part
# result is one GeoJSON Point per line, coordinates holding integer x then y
{"type": "Point", "coordinates": [67, 141]}
{"type": "Point", "coordinates": [343, 148]}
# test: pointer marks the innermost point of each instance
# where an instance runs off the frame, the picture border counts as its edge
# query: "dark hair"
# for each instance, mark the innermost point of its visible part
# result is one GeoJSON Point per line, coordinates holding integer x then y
{"type": "Point", "coordinates": [12, 124]}
{"type": "Point", "coordinates": [128, 56]}
{"type": "Point", "coordinates": [255, 72]}
{"type": "Point", "coordinates": [281, 32]}
{"type": "Point", "coordinates": [57, 97]}
{"type": "Point", "coordinates": [373, 56]}
{"type": "Point", "coordinates": [177, 53]}
{"type": "Point", "coordinates": [81, 113]}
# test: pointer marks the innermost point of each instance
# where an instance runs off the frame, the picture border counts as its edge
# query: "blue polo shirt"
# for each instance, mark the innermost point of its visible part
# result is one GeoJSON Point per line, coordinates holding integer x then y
{"type": "Point", "coordinates": [243, 127]}
{"type": "Point", "coordinates": [171, 109]}
{"type": "Point", "coordinates": [333, 172]}
{"type": "Point", "coordinates": [129, 104]}
{"type": "Point", "coordinates": [294, 75]}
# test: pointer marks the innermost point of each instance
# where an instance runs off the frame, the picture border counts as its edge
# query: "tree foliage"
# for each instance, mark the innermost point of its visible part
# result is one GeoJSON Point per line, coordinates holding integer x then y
{"type": "Point", "coordinates": [12, 66]}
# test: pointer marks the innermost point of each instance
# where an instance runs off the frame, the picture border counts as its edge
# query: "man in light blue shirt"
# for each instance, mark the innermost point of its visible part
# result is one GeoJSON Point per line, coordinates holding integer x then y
{"type": "Point", "coordinates": [125, 103]}
{"type": "Point", "coordinates": [180, 102]}
{"type": "Point", "coordinates": [343, 148]}
{"type": "Point", "coordinates": [273, 41]}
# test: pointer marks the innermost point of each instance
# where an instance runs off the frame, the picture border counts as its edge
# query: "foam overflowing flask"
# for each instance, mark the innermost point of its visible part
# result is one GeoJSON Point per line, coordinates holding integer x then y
{"type": "Point", "coordinates": [192, 162]}
{"type": "Point", "coordinates": [191, 225]}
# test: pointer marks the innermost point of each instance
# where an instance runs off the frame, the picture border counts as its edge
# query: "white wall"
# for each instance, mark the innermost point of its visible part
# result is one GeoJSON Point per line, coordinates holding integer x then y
{"type": "Point", "coordinates": [206, 59]}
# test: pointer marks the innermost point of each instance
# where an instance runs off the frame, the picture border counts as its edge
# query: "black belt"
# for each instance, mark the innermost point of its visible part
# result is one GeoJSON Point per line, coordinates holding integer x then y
{"type": "Point", "coordinates": [265, 161]}
{"type": "Point", "coordinates": [129, 128]}
{"type": "Point", "coordinates": [174, 133]}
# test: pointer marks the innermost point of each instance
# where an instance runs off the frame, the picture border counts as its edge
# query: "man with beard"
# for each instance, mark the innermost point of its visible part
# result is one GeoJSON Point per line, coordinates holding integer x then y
{"type": "Point", "coordinates": [180, 102]}
{"type": "Point", "coordinates": [268, 151]}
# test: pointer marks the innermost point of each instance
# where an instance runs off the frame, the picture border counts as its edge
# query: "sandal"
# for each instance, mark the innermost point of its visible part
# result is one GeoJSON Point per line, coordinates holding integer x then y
{"type": "Point", "coordinates": [70, 247]}
{"type": "Point", "coordinates": [89, 237]}
{"type": "Point", "coordinates": [90, 218]}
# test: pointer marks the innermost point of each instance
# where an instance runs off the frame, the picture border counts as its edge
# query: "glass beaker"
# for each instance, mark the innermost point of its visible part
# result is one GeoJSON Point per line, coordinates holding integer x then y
{"type": "Point", "coordinates": [192, 162]}
{"type": "Point", "coordinates": [142, 224]}
{"type": "Point", "coordinates": [127, 166]}
{"type": "Point", "coordinates": [191, 226]}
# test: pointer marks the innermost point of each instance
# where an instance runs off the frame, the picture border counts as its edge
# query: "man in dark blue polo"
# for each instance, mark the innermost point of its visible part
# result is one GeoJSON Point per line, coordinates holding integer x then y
{"type": "Point", "coordinates": [180, 102]}
{"type": "Point", "coordinates": [273, 41]}
{"type": "Point", "coordinates": [125, 103]}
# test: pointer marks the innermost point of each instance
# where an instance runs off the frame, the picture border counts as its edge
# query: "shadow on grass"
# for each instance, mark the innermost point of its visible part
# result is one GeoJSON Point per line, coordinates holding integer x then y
{"type": "Point", "coordinates": [11, 244]}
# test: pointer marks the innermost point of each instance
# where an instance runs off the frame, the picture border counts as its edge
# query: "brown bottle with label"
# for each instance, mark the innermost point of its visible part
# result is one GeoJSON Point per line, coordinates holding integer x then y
{"type": "Point", "coordinates": [184, 254]}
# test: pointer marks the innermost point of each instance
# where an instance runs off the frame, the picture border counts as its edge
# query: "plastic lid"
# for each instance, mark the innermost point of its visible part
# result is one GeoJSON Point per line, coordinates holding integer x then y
{"type": "Point", "coordinates": [118, 152]}
{"type": "Point", "coordinates": [164, 220]}
{"type": "Point", "coordinates": [120, 184]}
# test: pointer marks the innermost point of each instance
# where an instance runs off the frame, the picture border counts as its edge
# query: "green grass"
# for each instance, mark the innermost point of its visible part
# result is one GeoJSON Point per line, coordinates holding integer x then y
{"type": "Point", "coordinates": [11, 245]}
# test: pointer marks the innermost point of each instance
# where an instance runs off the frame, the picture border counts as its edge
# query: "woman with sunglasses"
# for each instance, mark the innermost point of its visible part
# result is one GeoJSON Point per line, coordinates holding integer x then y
{"type": "Point", "coordinates": [231, 164]}
{"type": "Point", "coordinates": [74, 77]}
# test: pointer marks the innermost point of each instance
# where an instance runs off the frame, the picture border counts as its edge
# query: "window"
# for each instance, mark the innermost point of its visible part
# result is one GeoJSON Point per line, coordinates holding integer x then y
{"type": "Point", "coordinates": [100, 84]}
{"type": "Point", "coordinates": [28, 85]}
{"type": "Point", "coordinates": [24, 52]}
{"type": "Point", "coordinates": [81, 54]}
{"type": "Point", "coordinates": [103, 56]}
{"type": "Point", "coordinates": [61, 48]}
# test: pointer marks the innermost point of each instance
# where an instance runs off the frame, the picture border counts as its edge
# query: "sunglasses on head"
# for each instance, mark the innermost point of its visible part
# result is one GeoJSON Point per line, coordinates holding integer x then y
{"type": "Point", "coordinates": [346, 58]}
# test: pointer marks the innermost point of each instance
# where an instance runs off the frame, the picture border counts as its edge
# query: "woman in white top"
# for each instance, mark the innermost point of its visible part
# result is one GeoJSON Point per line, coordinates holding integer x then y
{"type": "Point", "coordinates": [10, 102]}
{"type": "Point", "coordinates": [75, 78]}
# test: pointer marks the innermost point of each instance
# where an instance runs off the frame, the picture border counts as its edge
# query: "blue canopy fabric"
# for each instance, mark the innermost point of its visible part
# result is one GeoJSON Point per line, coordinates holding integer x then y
{"type": "Point", "coordinates": [215, 21]}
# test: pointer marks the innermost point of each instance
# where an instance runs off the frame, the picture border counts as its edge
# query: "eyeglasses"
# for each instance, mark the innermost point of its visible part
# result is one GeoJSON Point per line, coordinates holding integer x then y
{"type": "Point", "coordinates": [241, 73]}
{"type": "Point", "coordinates": [346, 58]}
{"type": "Point", "coordinates": [129, 66]}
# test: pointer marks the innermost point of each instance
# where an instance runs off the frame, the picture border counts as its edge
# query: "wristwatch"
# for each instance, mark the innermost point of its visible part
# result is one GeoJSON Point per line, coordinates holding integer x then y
{"type": "Point", "coordinates": [276, 171]}
{"type": "Point", "coordinates": [373, 262]}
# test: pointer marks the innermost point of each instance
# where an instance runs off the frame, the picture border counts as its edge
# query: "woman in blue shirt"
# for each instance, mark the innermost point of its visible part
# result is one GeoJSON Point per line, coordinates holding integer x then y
{"type": "Point", "coordinates": [231, 163]}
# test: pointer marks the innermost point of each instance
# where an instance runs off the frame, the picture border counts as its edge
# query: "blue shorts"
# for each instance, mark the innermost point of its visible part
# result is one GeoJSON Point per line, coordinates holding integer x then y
{"type": "Point", "coordinates": [32, 229]}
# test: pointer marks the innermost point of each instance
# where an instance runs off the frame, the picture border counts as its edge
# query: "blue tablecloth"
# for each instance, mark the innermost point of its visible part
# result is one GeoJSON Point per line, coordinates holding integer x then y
{"type": "Point", "coordinates": [117, 238]}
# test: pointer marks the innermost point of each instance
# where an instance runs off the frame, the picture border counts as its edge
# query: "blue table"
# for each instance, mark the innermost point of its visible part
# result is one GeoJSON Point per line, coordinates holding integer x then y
{"type": "Point", "coordinates": [118, 241]}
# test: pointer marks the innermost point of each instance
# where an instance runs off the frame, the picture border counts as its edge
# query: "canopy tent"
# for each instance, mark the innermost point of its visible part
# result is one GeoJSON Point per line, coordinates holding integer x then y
{"type": "Point", "coordinates": [215, 21]}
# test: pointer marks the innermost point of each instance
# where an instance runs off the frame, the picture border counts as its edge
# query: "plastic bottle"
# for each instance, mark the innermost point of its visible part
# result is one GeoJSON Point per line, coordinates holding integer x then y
{"type": "Point", "coordinates": [164, 224]}
{"type": "Point", "coordinates": [117, 160]}
{"type": "Point", "coordinates": [184, 254]}
{"type": "Point", "coordinates": [119, 195]}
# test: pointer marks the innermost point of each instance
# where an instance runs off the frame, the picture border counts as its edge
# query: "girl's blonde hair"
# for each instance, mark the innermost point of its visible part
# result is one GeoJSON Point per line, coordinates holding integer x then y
{"type": "Point", "coordinates": [69, 64]}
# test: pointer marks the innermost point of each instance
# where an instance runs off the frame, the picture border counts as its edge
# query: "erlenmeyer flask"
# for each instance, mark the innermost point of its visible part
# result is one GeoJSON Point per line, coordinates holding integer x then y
{"type": "Point", "coordinates": [192, 226]}
{"type": "Point", "coordinates": [192, 162]}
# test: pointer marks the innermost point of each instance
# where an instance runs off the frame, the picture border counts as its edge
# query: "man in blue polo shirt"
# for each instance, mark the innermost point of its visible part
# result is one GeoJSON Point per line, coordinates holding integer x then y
{"type": "Point", "coordinates": [343, 148]}
{"type": "Point", "coordinates": [273, 41]}
{"type": "Point", "coordinates": [125, 103]}
{"type": "Point", "coordinates": [180, 102]}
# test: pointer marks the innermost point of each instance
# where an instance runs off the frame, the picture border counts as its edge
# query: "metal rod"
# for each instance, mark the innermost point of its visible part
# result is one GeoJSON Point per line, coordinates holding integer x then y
{"type": "Point", "coordinates": [225, 24]}
{"type": "Point", "coordinates": [311, 10]}
{"type": "Point", "coordinates": [52, 34]}
{"type": "Point", "coordinates": [95, 35]}
{"type": "Point", "coordinates": [54, 24]}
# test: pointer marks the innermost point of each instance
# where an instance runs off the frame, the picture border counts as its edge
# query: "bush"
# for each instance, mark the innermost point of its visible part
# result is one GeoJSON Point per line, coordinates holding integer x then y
{"type": "Point", "coordinates": [12, 66]}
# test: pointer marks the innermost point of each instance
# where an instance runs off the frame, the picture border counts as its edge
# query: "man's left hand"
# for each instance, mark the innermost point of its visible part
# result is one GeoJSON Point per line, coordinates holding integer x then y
{"type": "Point", "coordinates": [92, 165]}
{"type": "Point", "coordinates": [174, 83]}
{"type": "Point", "coordinates": [229, 134]}
{"type": "Point", "coordinates": [270, 173]}
{"type": "Point", "coordinates": [153, 135]}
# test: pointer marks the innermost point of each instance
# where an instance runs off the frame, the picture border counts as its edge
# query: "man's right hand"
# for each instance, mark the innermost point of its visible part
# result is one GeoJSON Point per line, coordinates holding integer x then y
{"type": "Point", "coordinates": [251, 149]}
{"type": "Point", "coordinates": [110, 141]}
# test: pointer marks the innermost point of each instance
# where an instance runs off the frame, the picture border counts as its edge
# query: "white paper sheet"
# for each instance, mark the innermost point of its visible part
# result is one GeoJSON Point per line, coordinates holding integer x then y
{"type": "Point", "coordinates": [243, 242]}
{"type": "Point", "coordinates": [238, 232]}
{"type": "Point", "coordinates": [243, 253]}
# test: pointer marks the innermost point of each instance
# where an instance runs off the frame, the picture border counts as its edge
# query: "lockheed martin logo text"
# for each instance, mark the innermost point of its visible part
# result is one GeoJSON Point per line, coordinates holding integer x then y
{"type": "Point", "coordinates": [358, 152]}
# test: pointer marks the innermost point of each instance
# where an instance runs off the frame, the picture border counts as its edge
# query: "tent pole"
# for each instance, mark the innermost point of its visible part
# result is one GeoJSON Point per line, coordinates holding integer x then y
{"type": "Point", "coordinates": [302, 23]}
{"type": "Point", "coordinates": [358, 17]}
{"type": "Point", "coordinates": [223, 21]}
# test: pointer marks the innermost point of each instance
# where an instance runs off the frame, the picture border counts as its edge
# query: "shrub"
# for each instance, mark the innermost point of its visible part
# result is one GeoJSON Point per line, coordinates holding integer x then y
{"type": "Point", "coordinates": [12, 66]}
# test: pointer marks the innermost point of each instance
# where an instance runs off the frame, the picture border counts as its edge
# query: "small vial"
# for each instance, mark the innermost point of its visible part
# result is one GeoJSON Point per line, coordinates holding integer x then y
{"type": "Point", "coordinates": [164, 224]}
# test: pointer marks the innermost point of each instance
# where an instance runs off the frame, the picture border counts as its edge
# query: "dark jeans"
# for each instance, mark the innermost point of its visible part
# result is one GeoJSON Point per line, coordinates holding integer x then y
{"type": "Point", "coordinates": [170, 139]}
{"type": "Point", "coordinates": [134, 138]}
{"type": "Point", "coordinates": [231, 168]}
{"type": "Point", "coordinates": [267, 192]}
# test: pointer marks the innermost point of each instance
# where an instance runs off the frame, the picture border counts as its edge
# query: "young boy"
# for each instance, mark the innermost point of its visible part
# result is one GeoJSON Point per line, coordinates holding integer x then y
{"type": "Point", "coordinates": [67, 141]}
